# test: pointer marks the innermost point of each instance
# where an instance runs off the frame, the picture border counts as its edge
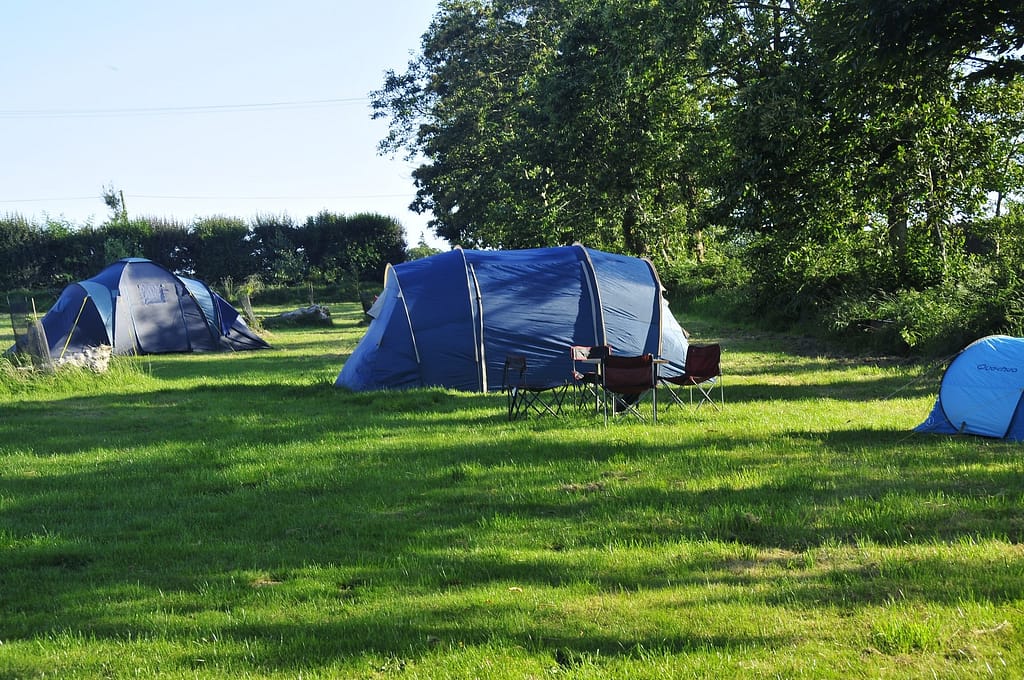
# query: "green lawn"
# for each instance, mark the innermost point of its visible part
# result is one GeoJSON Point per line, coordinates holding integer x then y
{"type": "Point", "coordinates": [234, 515]}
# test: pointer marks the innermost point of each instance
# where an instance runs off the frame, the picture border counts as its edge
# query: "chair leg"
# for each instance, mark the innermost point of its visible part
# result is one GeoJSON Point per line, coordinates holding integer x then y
{"type": "Point", "coordinates": [674, 397]}
{"type": "Point", "coordinates": [587, 393]}
{"type": "Point", "coordinates": [542, 402]}
{"type": "Point", "coordinates": [621, 407]}
{"type": "Point", "coordinates": [519, 404]}
{"type": "Point", "coordinates": [707, 394]}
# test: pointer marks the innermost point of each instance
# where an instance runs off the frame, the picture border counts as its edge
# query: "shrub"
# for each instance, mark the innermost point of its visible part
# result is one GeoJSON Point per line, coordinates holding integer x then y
{"type": "Point", "coordinates": [933, 322]}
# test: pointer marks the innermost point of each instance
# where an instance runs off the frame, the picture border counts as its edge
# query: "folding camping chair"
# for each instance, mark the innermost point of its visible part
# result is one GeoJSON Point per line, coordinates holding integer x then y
{"type": "Point", "coordinates": [586, 372]}
{"type": "Point", "coordinates": [29, 332]}
{"type": "Point", "coordinates": [702, 371]}
{"type": "Point", "coordinates": [525, 395]}
{"type": "Point", "coordinates": [625, 381]}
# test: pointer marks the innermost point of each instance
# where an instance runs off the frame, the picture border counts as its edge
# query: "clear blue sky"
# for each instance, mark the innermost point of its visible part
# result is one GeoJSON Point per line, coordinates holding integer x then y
{"type": "Point", "coordinates": [195, 108]}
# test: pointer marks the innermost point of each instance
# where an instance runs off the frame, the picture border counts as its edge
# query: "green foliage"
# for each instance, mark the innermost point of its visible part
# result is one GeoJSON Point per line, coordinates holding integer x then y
{"type": "Point", "coordinates": [837, 171]}
{"type": "Point", "coordinates": [343, 289]}
{"type": "Point", "coordinates": [19, 240]}
{"type": "Point", "coordinates": [421, 250]}
{"type": "Point", "coordinates": [277, 248]}
{"type": "Point", "coordinates": [170, 243]}
{"type": "Point", "coordinates": [982, 300]}
{"type": "Point", "coordinates": [125, 238]}
{"type": "Point", "coordinates": [719, 268]}
{"type": "Point", "coordinates": [983, 37]}
{"type": "Point", "coordinates": [222, 248]}
{"type": "Point", "coordinates": [358, 246]}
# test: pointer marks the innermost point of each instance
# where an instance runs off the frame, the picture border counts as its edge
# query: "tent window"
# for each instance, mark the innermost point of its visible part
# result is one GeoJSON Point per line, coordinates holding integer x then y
{"type": "Point", "coordinates": [152, 293]}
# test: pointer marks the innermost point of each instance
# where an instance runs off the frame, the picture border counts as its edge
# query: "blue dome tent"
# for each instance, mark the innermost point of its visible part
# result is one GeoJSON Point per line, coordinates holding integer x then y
{"type": "Point", "coordinates": [981, 391]}
{"type": "Point", "coordinates": [450, 319]}
{"type": "Point", "coordinates": [138, 307]}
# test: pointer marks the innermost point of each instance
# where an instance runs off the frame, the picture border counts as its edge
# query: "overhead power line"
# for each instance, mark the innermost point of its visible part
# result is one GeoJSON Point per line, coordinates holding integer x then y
{"type": "Point", "coordinates": [206, 198]}
{"type": "Point", "coordinates": [176, 110]}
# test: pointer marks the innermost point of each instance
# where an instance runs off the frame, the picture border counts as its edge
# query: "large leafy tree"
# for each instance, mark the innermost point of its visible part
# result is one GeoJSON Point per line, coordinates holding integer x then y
{"type": "Point", "coordinates": [925, 116]}
{"type": "Point", "coordinates": [630, 116]}
{"type": "Point", "coordinates": [540, 123]}
{"type": "Point", "coordinates": [850, 171]}
{"type": "Point", "coordinates": [985, 37]}
{"type": "Point", "coordinates": [468, 107]}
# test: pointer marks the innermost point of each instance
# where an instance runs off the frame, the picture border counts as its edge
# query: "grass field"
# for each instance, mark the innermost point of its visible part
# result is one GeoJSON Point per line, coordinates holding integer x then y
{"type": "Point", "coordinates": [234, 515]}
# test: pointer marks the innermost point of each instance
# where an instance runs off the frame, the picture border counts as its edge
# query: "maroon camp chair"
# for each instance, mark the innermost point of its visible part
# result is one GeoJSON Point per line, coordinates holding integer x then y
{"type": "Point", "coordinates": [586, 372]}
{"type": "Point", "coordinates": [702, 372]}
{"type": "Point", "coordinates": [625, 381]}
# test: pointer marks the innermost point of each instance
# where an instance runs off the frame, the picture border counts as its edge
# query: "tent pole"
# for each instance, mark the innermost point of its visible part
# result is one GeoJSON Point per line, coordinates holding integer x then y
{"type": "Point", "coordinates": [480, 345]}
{"type": "Point", "coordinates": [596, 304]}
{"type": "Point", "coordinates": [73, 326]}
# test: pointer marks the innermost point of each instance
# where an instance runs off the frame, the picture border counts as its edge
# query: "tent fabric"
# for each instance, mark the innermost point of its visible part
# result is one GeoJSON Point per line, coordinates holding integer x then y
{"type": "Point", "coordinates": [449, 320]}
{"type": "Point", "coordinates": [138, 307]}
{"type": "Point", "coordinates": [981, 391]}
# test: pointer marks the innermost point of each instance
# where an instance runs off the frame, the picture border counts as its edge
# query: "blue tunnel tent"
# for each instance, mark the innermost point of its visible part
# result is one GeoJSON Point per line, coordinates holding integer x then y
{"type": "Point", "coordinates": [981, 391]}
{"type": "Point", "coordinates": [450, 319]}
{"type": "Point", "coordinates": [138, 307]}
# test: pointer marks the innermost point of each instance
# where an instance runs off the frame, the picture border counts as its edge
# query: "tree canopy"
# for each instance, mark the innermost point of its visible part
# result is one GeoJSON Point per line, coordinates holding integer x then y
{"type": "Point", "coordinates": [842, 147]}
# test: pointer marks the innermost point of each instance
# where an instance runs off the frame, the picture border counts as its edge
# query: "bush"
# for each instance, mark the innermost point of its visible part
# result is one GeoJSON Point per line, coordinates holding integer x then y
{"type": "Point", "coordinates": [686, 280]}
{"type": "Point", "coordinates": [343, 291]}
{"type": "Point", "coordinates": [933, 322]}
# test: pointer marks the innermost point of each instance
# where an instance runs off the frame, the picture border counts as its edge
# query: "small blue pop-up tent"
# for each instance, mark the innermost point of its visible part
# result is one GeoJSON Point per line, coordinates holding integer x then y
{"type": "Point", "coordinates": [449, 320]}
{"type": "Point", "coordinates": [138, 307]}
{"type": "Point", "coordinates": [981, 391]}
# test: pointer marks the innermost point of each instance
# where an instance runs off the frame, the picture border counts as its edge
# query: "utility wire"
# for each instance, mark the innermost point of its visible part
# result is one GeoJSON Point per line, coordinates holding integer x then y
{"type": "Point", "coordinates": [176, 110]}
{"type": "Point", "coordinates": [207, 198]}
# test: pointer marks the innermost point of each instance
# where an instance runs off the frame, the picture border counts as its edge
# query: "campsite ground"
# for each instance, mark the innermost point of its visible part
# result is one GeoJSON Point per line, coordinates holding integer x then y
{"type": "Point", "coordinates": [234, 515]}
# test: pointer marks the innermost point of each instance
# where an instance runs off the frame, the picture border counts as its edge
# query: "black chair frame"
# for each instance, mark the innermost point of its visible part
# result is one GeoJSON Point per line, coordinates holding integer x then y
{"type": "Point", "coordinates": [524, 396]}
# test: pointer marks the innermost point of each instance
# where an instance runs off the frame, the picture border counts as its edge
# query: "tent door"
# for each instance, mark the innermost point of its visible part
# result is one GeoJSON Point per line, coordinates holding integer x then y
{"type": "Point", "coordinates": [156, 317]}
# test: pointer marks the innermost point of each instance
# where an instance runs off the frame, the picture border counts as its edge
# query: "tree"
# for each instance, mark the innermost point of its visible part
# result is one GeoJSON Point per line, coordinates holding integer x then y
{"type": "Point", "coordinates": [421, 250]}
{"type": "Point", "coordinates": [114, 199]}
{"type": "Point", "coordinates": [278, 249]}
{"type": "Point", "coordinates": [222, 249]}
{"type": "Point", "coordinates": [983, 38]}
{"type": "Point", "coordinates": [546, 123]}
{"type": "Point", "coordinates": [21, 243]}
{"type": "Point", "coordinates": [468, 106]}
{"type": "Point", "coordinates": [358, 247]}
{"type": "Point", "coordinates": [630, 116]}
{"type": "Point", "coordinates": [925, 126]}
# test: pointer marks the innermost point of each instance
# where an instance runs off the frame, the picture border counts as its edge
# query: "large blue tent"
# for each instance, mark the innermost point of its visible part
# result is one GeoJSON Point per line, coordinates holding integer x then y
{"type": "Point", "coordinates": [449, 320]}
{"type": "Point", "coordinates": [138, 307]}
{"type": "Point", "coordinates": [981, 391]}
